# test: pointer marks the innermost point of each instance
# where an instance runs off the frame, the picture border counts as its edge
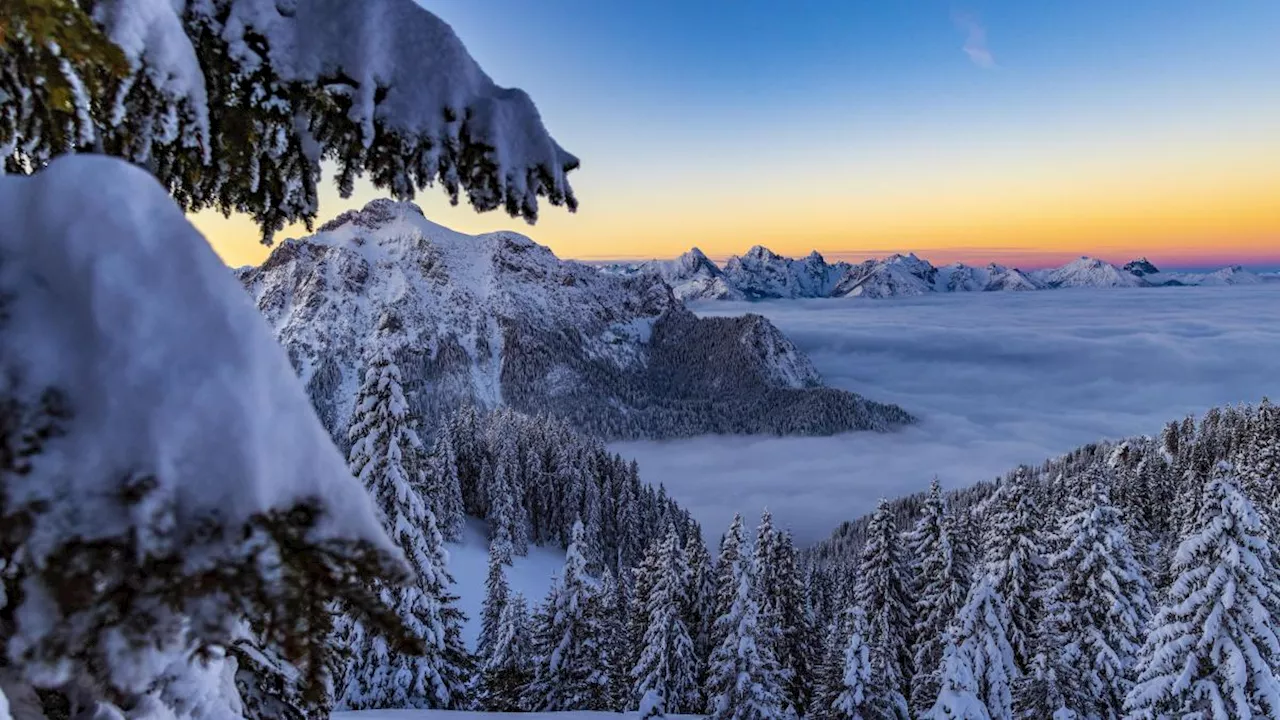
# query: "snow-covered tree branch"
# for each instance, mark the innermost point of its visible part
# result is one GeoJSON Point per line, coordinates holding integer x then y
{"type": "Point", "coordinates": [233, 104]}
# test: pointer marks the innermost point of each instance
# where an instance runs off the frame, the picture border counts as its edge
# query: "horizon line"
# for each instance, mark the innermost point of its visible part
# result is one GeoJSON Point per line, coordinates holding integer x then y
{"type": "Point", "coordinates": [1017, 259]}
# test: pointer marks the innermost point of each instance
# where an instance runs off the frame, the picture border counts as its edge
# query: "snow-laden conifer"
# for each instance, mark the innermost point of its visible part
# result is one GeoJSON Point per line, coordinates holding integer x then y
{"type": "Point", "coordinates": [1212, 649]}
{"type": "Point", "coordinates": [443, 491]}
{"type": "Point", "coordinates": [979, 660]}
{"type": "Point", "coordinates": [1013, 559]}
{"type": "Point", "coordinates": [958, 689]}
{"type": "Point", "coordinates": [566, 645]}
{"type": "Point", "coordinates": [386, 456]}
{"type": "Point", "coordinates": [882, 592]}
{"type": "Point", "coordinates": [507, 667]}
{"type": "Point", "coordinates": [1102, 592]}
{"type": "Point", "coordinates": [742, 680]}
{"type": "Point", "coordinates": [496, 593]}
{"type": "Point", "coordinates": [941, 586]}
{"type": "Point", "coordinates": [858, 695]}
{"type": "Point", "coordinates": [666, 674]}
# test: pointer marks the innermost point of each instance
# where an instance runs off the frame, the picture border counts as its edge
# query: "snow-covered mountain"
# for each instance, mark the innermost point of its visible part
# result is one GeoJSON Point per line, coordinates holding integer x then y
{"type": "Point", "coordinates": [692, 276]}
{"type": "Point", "coordinates": [1088, 272]}
{"type": "Point", "coordinates": [763, 274]}
{"type": "Point", "coordinates": [496, 319]}
{"type": "Point", "coordinates": [894, 276]}
{"type": "Point", "coordinates": [1234, 275]}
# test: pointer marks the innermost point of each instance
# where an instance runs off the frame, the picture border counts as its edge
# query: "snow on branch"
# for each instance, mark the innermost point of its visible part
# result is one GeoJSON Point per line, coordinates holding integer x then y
{"type": "Point", "coordinates": [233, 104]}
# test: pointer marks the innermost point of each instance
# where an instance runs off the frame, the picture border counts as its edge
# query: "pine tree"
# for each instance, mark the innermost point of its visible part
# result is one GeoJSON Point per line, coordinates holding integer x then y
{"type": "Point", "coordinates": [958, 689]}
{"type": "Point", "coordinates": [507, 668]}
{"type": "Point", "coordinates": [732, 547]}
{"type": "Point", "coordinates": [882, 594]}
{"type": "Point", "coordinates": [858, 695]}
{"type": "Point", "coordinates": [982, 654]}
{"type": "Point", "coordinates": [941, 586]}
{"type": "Point", "coordinates": [444, 489]}
{"type": "Point", "coordinates": [505, 492]}
{"type": "Point", "coordinates": [1212, 650]}
{"type": "Point", "coordinates": [1050, 686]}
{"type": "Point", "coordinates": [565, 645]}
{"type": "Point", "coordinates": [1257, 463]}
{"type": "Point", "coordinates": [497, 593]}
{"type": "Point", "coordinates": [612, 609]}
{"type": "Point", "coordinates": [785, 612]}
{"type": "Point", "coordinates": [700, 598]}
{"type": "Point", "coordinates": [1103, 593]}
{"type": "Point", "coordinates": [829, 676]}
{"type": "Point", "coordinates": [1013, 559]}
{"type": "Point", "coordinates": [384, 455]}
{"type": "Point", "coordinates": [666, 675]}
{"type": "Point", "coordinates": [742, 680]}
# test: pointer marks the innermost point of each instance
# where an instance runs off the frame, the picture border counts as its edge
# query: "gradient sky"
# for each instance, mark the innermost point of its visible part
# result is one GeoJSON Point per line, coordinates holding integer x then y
{"type": "Point", "coordinates": [1024, 132]}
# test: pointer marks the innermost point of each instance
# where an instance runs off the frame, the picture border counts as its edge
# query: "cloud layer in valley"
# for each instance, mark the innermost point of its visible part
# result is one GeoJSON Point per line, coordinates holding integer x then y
{"type": "Point", "coordinates": [996, 378]}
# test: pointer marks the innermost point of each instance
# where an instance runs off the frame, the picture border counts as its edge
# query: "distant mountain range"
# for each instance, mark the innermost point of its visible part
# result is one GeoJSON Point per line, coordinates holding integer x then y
{"type": "Point", "coordinates": [763, 274]}
{"type": "Point", "coordinates": [497, 319]}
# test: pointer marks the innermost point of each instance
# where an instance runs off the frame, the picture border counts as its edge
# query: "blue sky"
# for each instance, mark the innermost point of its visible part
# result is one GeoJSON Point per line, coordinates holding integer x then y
{"type": "Point", "coordinates": [1031, 131]}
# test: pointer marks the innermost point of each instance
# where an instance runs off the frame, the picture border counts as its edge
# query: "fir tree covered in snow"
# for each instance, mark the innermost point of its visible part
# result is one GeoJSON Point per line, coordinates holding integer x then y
{"type": "Point", "coordinates": [732, 546]}
{"type": "Point", "coordinates": [980, 660]}
{"type": "Point", "coordinates": [385, 456]}
{"type": "Point", "coordinates": [1102, 593]}
{"type": "Point", "coordinates": [566, 643]}
{"type": "Point", "coordinates": [742, 678]}
{"type": "Point", "coordinates": [857, 693]}
{"type": "Point", "coordinates": [784, 610]}
{"type": "Point", "coordinates": [443, 490]}
{"type": "Point", "coordinates": [1014, 560]}
{"type": "Point", "coordinates": [232, 104]}
{"type": "Point", "coordinates": [1212, 650]}
{"type": "Point", "coordinates": [958, 689]}
{"type": "Point", "coordinates": [507, 666]}
{"type": "Point", "coordinates": [666, 674]}
{"type": "Point", "coordinates": [170, 498]}
{"type": "Point", "coordinates": [882, 593]}
{"type": "Point", "coordinates": [497, 593]}
{"type": "Point", "coordinates": [609, 609]}
{"type": "Point", "coordinates": [699, 612]}
{"type": "Point", "coordinates": [940, 589]}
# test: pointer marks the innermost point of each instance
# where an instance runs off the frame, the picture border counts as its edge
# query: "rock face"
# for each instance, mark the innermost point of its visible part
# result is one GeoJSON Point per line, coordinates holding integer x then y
{"type": "Point", "coordinates": [1141, 267]}
{"type": "Point", "coordinates": [496, 319]}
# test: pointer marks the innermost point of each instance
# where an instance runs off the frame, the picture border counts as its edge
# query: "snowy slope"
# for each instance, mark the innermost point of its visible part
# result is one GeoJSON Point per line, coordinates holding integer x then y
{"type": "Point", "coordinates": [1006, 279]}
{"type": "Point", "coordinates": [452, 715]}
{"type": "Point", "coordinates": [530, 574]}
{"type": "Point", "coordinates": [496, 319]}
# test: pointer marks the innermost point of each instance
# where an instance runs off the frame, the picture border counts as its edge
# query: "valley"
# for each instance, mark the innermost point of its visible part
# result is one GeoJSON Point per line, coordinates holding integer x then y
{"type": "Point", "coordinates": [997, 379]}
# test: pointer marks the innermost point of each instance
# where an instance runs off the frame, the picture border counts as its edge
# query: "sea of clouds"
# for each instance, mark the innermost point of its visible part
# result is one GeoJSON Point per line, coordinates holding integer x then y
{"type": "Point", "coordinates": [997, 379]}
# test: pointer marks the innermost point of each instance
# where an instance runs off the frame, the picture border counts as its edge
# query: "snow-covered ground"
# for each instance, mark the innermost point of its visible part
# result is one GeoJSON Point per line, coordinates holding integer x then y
{"type": "Point", "coordinates": [996, 378]}
{"type": "Point", "coordinates": [448, 715]}
{"type": "Point", "coordinates": [469, 564]}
